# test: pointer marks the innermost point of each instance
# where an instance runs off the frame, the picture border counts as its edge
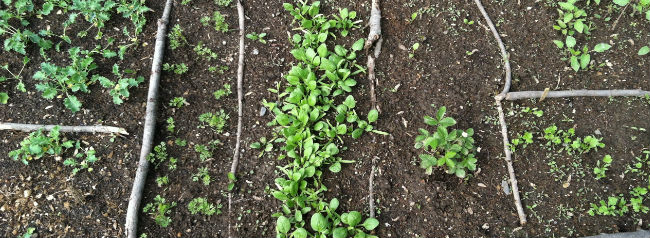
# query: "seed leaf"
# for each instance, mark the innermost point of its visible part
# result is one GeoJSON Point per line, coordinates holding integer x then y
{"type": "Point", "coordinates": [602, 47]}
{"type": "Point", "coordinates": [283, 225]}
{"type": "Point", "coordinates": [644, 50]}
{"type": "Point", "coordinates": [3, 98]}
{"type": "Point", "coordinates": [370, 224]}
{"type": "Point", "coordinates": [373, 115]}
{"type": "Point", "coordinates": [570, 42]}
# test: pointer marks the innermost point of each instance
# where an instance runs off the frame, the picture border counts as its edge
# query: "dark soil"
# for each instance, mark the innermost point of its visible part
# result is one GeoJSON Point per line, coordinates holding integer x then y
{"type": "Point", "coordinates": [409, 203]}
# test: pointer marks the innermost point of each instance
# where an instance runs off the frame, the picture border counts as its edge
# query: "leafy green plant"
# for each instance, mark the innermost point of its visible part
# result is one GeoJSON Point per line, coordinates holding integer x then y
{"type": "Point", "coordinates": [569, 142]}
{"type": "Point", "coordinates": [205, 52]}
{"type": "Point", "coordinates": [159, 210]}
{"type": "Point", "coordinates": [159, 154]}
{"type": "Point", "coordinates": [203, 175]}
{"type": "Point", "coordinates": [180, 142]}
{"type": "Point", "coordinates": [219, 20]}
{"type": "Point", "coordinates": [455, 150]}
{"type": "Point", "coordinates": [120, 90]}
{"type": "Point", "coordinates": [223, 3]}
{"type": "Point", "coordinates": [57, 80]}
{"type": "Point", "coordinates": [38, 145]}
{"type": "Point", "coordinates": [205, 151]}
{"type": "Point", "coordinates": [87, 158]}
{"type": "Point", "coordinates": [178, 102]}
{"type": "Point", "coordinates": [535, 111]}
{"type": "Point", "coordinates": [185, 2]}
{"type": "Point", "coordinates": [202, 206]}
{"type": "Point", "coordinates": [28, 233]}
{"type": "Point", "coordinates": [263, 145]}
{"type": "Point", "coordinates": [18, 11]}
{"type": "Point", "coordinates": [216, 121]}
{"type": "Point", "coordinates": [600, 170]}
{"type": "Point", "coordinates": [4, 97]}
{"type": "Point", "coordinates": [177, 68]}
{"type": "Point", "coordinates": [224, 92]}
{"type": "Point", "coordinates": [345, 21]}
{"type": "Point", "coordinates": [134, 10]}
{"type": "Point", "coordinates": [170, 125]}
{"type": "Point", "coordinates": [615, 206]}
{"type": "Point", "coordinates": [257, 37]}
{"type": "Point", "coordinates": [176, 37]}
{"type": "Point", "coordinates": [162, 181]}
{"type": "Point", "coordinates": [95, 13]}
{"type": "Point", "coordinates": [521, 140]}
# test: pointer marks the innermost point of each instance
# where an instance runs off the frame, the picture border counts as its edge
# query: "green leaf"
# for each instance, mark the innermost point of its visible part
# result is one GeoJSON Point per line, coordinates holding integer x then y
{"type": "Point", "coordinates": [441, 112]}
{"type": "Point", "coordinates": [644, 51]}
{"type": "Point", "coordinates": [353, 218]}
{"type": "Point", "coordinates": [621, 3]}
{"type": "Point", "coordinates": [72, 103]}
{"type": "Point", "coordinates": [447, 122]}
{"type": "Point", "coordinates": [358, 45]}
{"type": "Point", "coordinates": [373, 115]}
{"type": "Point", "coordinates": [357, 133]}
{"type": "Point", "coordinates": [4, 98]}
{"type": "Point", "coordinates": [300, 233]}
{"type": "Point", "coordinates": [322, 37]}
{"type": "Point", "coordinates": [340, 232]}
{"type": "Point", "coordinates": [570, 42]}
{"type": "Point", "coordinates": [334, 204]}
{"type": "Point", "coordinates": [335, 168]}
{"type": "Point", "coordinates": [574, 63]}
{"type": "Point", "coordinates": [370, 224]}
{"type": "Point", "coordinates": [602, 47]}
{"type": "Point", "coordinates": [559, 44]}
{"type": "Point", "coordinates": [283, 225]}
{"type": "Point", "coordinates": [318, 222]}
{"type": "Point", "coordinates": [322, 50]}
{"type": "Point", "coordinates": [584, 60]}
{"type": "Point", "coordinates": [579, 26]}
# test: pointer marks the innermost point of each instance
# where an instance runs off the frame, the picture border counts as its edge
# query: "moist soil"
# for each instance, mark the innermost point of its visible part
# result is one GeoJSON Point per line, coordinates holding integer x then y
{"type": "Point", "coordinates": [409, 203]}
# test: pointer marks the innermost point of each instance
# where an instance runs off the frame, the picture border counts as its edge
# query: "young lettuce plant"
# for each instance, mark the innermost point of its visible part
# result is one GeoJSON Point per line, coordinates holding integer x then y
{"type": "Point", "coordinates": [454, 150]}
{"type": "Point", "coordinates": [38, 145]}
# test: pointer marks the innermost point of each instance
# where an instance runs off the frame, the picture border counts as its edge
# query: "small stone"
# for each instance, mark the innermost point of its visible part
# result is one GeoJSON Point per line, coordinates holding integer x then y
{"type": "Point", "coordinates": [597, 132]}
{"type": "Point", "coordinates": [485, 226]}
{"type": "Point", "coordinates": [256, 51]}
{"type": "Point", "coordinates": [262, 111]}
{"type": "Point", "coordinates": [482, 185]}
{"type": "Point", "coordinates": [506, 187]}
{"type": "Point", "coordinates": [27, 193]}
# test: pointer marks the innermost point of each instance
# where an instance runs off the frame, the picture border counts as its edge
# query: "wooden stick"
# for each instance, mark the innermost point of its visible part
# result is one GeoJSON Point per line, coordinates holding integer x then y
{"type": "Point", "coordinates": [504, 53]}
{"type": "Point", "coordinates": [577, 93]}
{"type": "Point", "coordinates": [373, 36]}
{"type": "Point", "coordinates": [502, 119]}
{"type": "Point", "coordinates": [74, 129]}
{"type": "Point", "coordinates": [511, 170]}
{"type": "Point", "coordinates": [619, 16]}
{"type": "Point", "coordinates": [371, 199]}
{"type": "Point", "coordinates": [375, 25]}
{"type": "Point", "coordinates": [240, 99]}
{"type": "Point", "coordinates": [149, 126]}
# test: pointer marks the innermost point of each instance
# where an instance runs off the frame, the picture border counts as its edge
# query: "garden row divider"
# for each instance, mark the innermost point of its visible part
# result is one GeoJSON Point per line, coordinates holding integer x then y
{"type": "Point", "coordinates": [240, 98]}
{"type": "Point", "coordinates": [507, 95]}
{"type": "Point", "coordinates": [149, 126]}
{"type": "Point", "coordinates": [373, 36]}
{"type": "Point", "coordinates": [75, 129]}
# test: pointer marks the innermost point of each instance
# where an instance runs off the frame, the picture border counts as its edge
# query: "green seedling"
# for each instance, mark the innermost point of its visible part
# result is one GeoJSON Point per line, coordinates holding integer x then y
{"type": "Point", "coordinates": [644, 50]}
{"type": "Point", "coordinates": [257, 37]}
{"type": "Point", "coordinates": [205, 151]}
{"type": "Point", "coordinates": [170, 125]}
{"type": "Point", "coordinates": [521, 140]}
{"type": "Point", "coordinates": [263, 145]}
{"type": "Point", "coordinates": [454, 150]}
{"type": "Point", "coordinates": [223, 3]}
{"type": "Point", "coordinates": [38, 145]}
{"type": "Point", "coordinates": [120, 90]}
{"type": "Point", "coordinates": [176, 38]}
{"type": "Point", "coordinates": [159, 210]}
{"type": "Point", "coordinates": [615, 206]}
{"type": "Point", "coordinates": [569, 142]}
{"type": "Point", "coordinates": [203, 175]}
{"type": "Point", "coordinates": [159, 155]}
{"type": "Point", "coordinates": [600, 170]}
{"type": "Point", "coordinates": [219, 20]}
{"type": "Point", "coordinates": [202, 206]}
{"type": "Point", "coordinates": [87, 158]}
{"type": "Point", "coordinates": [218, 69]}
{"type": "Point", "coordinates": [222, 92]}
{"type": "Point", "coordinates": [216, 121]}
{"type": "Point", "coordinates": [176, 68]}
{"type": "Point", "coordinates": [205, 52]}
{"type": "Point", "coordinates": [180, 142]}
{"type": "Point", "coordinates": [185, 2]}
{"type": "Point", "coordinates": [535, 111]}
{"type": "Point", "coordinates": [178, 102]}
{"type": "Point", "coordinates": [162, 181]}
{"type": "Point", "coordinates": [134, 10]}
{"type": "Point", "coordinates": [415, 47]}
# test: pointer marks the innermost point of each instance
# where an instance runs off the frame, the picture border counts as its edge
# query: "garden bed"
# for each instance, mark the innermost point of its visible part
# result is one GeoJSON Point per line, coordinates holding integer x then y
{"type": "Point", "coordinates": [457, 65]}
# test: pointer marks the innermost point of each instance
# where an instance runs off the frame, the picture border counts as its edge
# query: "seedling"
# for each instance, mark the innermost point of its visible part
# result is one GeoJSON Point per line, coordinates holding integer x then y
{"type": "Point", "coordinates": [615, 206]}
{"type": "Point", "coordinates": [263, 145]}
{"type": "Point", "coordinates": [177, 68]}
{"type": "Point", "coordinates": [521, 140]}
{"type": "Point", "coordinates": [28, 233]}
{"type": "Point", "coordinates": [162, 181]}
{"type": "Point", "coordinates": [203, 175]}
{"type": "Point", "coordinates": [38, 145]}
{"type": "Point", "coordinates": [222, 92]}
{"type": "Point", "coordinates": [185, 2]}
{"type": "Point", "coordinates": [170, 125]}
{"type": "Point", "coordinates": [87, 158]}
{"type": "Point", "coordinates": [205, 151]}
{"type": "Point", "coordinates": [159, 210]}
{"type": "Point", "coordinates": [415, 47]}
{"type": "Point", "coordinates": [231, 181]}
{"type": "Point", "coordinates": [570, 143]}
{"type": "Point", "coordinates": [178, 102]}
{"type": "Point", "coordinates": [455, 150]}
{"type": "Point", "coordinates": [223, 3]}
{"type": "Point", "coordinates": [120, 90]}
{"type": "Point", "coordinates": [202, 206]}
{"type": "Point", "coordinates": [257, 37]}
{"type": "Point", "coordinates": [180, 142]}
{"type": "Point", "coordinates": [159, 154]}
{"type": "Point", "coordinates": [205, 52]}
{"type": "Point", "coordinates": [176, 38]}
{"type": "Point", "coordinates": [216, 121]}
{"type": "Point", "coordinates": [535, 111]}
{"type": "Point", "coordinates": [599, 170]}
{"type": "Point", "coordinates": [219, 20]}
{"type": "Point", "coordinates": [4, 97]}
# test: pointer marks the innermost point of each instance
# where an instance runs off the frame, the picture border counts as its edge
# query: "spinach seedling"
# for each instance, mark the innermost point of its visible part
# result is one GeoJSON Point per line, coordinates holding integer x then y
{"type": "Point", "coordinates": [257, 37]}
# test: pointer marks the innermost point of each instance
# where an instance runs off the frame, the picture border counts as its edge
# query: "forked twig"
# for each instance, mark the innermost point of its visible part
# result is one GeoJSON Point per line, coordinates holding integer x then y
{"type": "Point", "coordinates": [502, 120]}
{"type": "Point", "coordinates": [149, 126]}
{"type": "Point", "coordinates": [74, 129]}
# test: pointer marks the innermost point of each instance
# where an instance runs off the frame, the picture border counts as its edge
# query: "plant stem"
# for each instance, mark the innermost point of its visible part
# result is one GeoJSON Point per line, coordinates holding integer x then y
{"type": "Point", "coordinates": [149, 126]}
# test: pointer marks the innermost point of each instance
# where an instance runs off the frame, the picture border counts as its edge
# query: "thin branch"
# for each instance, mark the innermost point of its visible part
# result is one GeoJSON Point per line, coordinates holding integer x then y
{"type": "Point", "coordinates": [619, 16]}
{"type": "Point", "coordinates": [502, 120]}
{"type": "Point", "coordinates": [375, 24]}
{"type": "Point", "coordinates": [504, 53]}
{"type": "Point", "coordinates": [577, 93]}
{"type": "Point", "coordinates": [240, 99]}
{"type": "Point", "coordinates": [371, 181]}
{"type": "Point", "coordinates": [149, 126]}
{"type": "Point", "coordinates": [511, 170]}
{"type": "Point", "coordinates": [74, 129]}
